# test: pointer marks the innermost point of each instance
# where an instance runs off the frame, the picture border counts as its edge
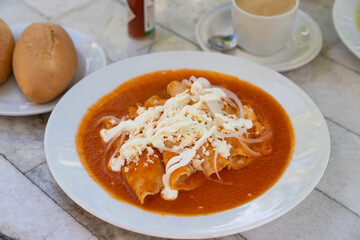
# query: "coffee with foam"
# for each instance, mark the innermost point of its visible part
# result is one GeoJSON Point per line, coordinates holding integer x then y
{"type": "Point", "coordinates": [266, 7]}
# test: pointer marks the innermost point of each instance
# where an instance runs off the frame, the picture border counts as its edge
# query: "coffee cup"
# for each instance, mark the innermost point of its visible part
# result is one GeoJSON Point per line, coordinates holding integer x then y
{"type": "Point", "coordinates": [263, 32]}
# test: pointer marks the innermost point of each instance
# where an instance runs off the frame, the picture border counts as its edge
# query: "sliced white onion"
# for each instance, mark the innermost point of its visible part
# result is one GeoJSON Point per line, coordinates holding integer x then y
{"type": "Point", "coordinates": [252, 152]}
{"type": "Point", "coordinates": [202, 169]}
{"type": "Point", "coordinates": [214, 107]}
{"type": "Point", "coordinates": [215, 163]}
{"type": "Point", "coordinates": [231, 103]}
{"type": "Point", "coordinates": [117, 120]}
{"type": "Point", "coordinates": [122, 137]}
{"type": "Point", "coordinates": [254, 140]}
{"type": "Point", "coordinates": [221, 181]}
{"type": "Point", "coordinates": [112, 140]}
{"type": "Point", "coordinates": [204, 82]}
{"type": "Point", "coordinates": [192, 79]}
{"type": "Point", "coordinates": [186, 82]}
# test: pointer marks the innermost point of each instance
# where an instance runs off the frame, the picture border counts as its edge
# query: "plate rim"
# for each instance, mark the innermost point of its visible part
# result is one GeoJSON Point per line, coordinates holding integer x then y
{"type": "Point", "coordinates": [224, 6]}
{"type": "Point", "coordinates": [288, 82]}
{"type": "Point", "coordinates": [338, 29]}
{"type": "Point", "coordinates": [49, 108]}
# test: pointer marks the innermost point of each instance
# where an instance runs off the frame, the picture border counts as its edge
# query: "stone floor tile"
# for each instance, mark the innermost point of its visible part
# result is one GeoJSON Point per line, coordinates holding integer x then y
{"type": "Point", "coordinates": [333, 48]}
{"type": "Point", "coordinates": [317, 217]}
{"type": "Point", "coordinates": [323, 17]}
{"type": "Point", "coordinates": [42, 177]}
{"type": "Point", "coordinates": [232, 237]}
{"type": "Point", "coordinates": [334, 88]}
{"type": "Point", "coordinates": [173, 43]}
{"type": "Point", "coordinates": [15, 11]}
{"type": "Point", "coordinates": [325, 3]}
{"type": "Point", "coordinates": [22, 140]}
{"type": "Point", "coordinates": [339, 53]}
{"type": "Point", "coordinates": [105, 21]}
{"type": "Point", "coordinates": [181, 16]}
{"type": "Point", "coordinates": [53, 8]}
{"type": "Point", "coordinates": [91, 19]}
{"type": "Point", "coordinates": [27, 213]}
{"type": "Point", "coordinates": [341, 180]}
{"type": "Point", "coordinates": [118, 45]}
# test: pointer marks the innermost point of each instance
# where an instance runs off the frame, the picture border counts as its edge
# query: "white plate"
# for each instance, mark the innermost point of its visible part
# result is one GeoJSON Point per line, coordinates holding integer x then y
{"type": "Point", "coordinates": [310, 158]}
{"type": "Point", "coordinates": [303, 46]}
{"type": "Point", "coordinates": [344, 20]}
{"type": "Point", "coordinates": [90, 58]}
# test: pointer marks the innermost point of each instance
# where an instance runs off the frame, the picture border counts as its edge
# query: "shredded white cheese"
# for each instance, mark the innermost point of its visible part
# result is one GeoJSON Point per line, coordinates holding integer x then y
{"type": "Point", "coordinates": [185, 122]}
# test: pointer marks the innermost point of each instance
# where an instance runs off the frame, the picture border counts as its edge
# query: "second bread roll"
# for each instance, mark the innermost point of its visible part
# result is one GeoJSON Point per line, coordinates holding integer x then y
{"type": "Point", "coordinates": [44, 61]}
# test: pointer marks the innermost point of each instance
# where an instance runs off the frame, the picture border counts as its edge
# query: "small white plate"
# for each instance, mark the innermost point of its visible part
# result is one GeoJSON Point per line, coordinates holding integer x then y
{"type": "Point", "coordinates": [90, 58]}
{"type": "Point", "coordinates": [344, 20]}
{"type": "Point", "coordinates": [303, 46]}
{"type": "Point", "coordinates": [308, 164]}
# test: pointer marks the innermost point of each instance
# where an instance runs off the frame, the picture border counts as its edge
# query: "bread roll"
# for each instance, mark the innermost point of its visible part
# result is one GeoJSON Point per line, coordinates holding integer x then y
{"type": "Point", "coordinates": [44, 61]}
{"type": "Point", "coordinates": [6, 50]}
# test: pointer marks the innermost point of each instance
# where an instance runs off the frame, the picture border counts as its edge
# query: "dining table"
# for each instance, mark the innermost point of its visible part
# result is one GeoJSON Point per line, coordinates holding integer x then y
{"type": "Point", "coordinates": [32, 204]}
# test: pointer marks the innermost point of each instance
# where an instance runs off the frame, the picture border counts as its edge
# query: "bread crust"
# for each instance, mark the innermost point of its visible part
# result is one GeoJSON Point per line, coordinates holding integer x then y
{"type": "Point", "coordinates": [44, 61]}
{"type": "Point", "coordinates": [7, 44]}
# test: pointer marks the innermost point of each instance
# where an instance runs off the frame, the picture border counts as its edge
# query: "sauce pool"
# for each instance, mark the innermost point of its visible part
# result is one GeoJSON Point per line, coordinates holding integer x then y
{"type": "Point", "coordinates": [241, 185]}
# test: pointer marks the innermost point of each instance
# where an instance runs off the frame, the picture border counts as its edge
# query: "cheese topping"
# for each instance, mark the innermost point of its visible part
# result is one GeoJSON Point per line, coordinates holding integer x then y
{"type": "Point", "coordinates": [182, 125]}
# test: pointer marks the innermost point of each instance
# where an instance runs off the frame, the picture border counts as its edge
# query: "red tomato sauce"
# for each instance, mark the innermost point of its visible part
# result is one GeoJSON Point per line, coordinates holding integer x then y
{"type": "Point", "coordinates": [245, 185]}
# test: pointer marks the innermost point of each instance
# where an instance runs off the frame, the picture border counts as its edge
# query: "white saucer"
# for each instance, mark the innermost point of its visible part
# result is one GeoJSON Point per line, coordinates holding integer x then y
{"type": "Point", "coordinates": [344, 21]}
{"type": "Point", "coordinates": [304, 45]}
{"type": "Point", "coordinates": [90, 58]}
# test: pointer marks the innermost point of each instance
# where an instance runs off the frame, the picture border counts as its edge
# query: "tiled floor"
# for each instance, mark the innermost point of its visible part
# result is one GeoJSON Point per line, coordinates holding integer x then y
{"type": "Point", "coordinates": [32, 205]}
{"type": "Point", "coordinates": [28, 213]}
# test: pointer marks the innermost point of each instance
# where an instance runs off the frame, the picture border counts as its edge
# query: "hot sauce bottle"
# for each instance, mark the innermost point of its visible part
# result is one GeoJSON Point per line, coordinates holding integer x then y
{"type": "Point", "coordinates": [141, 18]}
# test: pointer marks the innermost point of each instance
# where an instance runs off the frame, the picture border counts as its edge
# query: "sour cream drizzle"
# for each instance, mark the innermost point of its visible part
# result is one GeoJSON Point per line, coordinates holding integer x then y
{"type": "Point", "coordinates": [189, 126]}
